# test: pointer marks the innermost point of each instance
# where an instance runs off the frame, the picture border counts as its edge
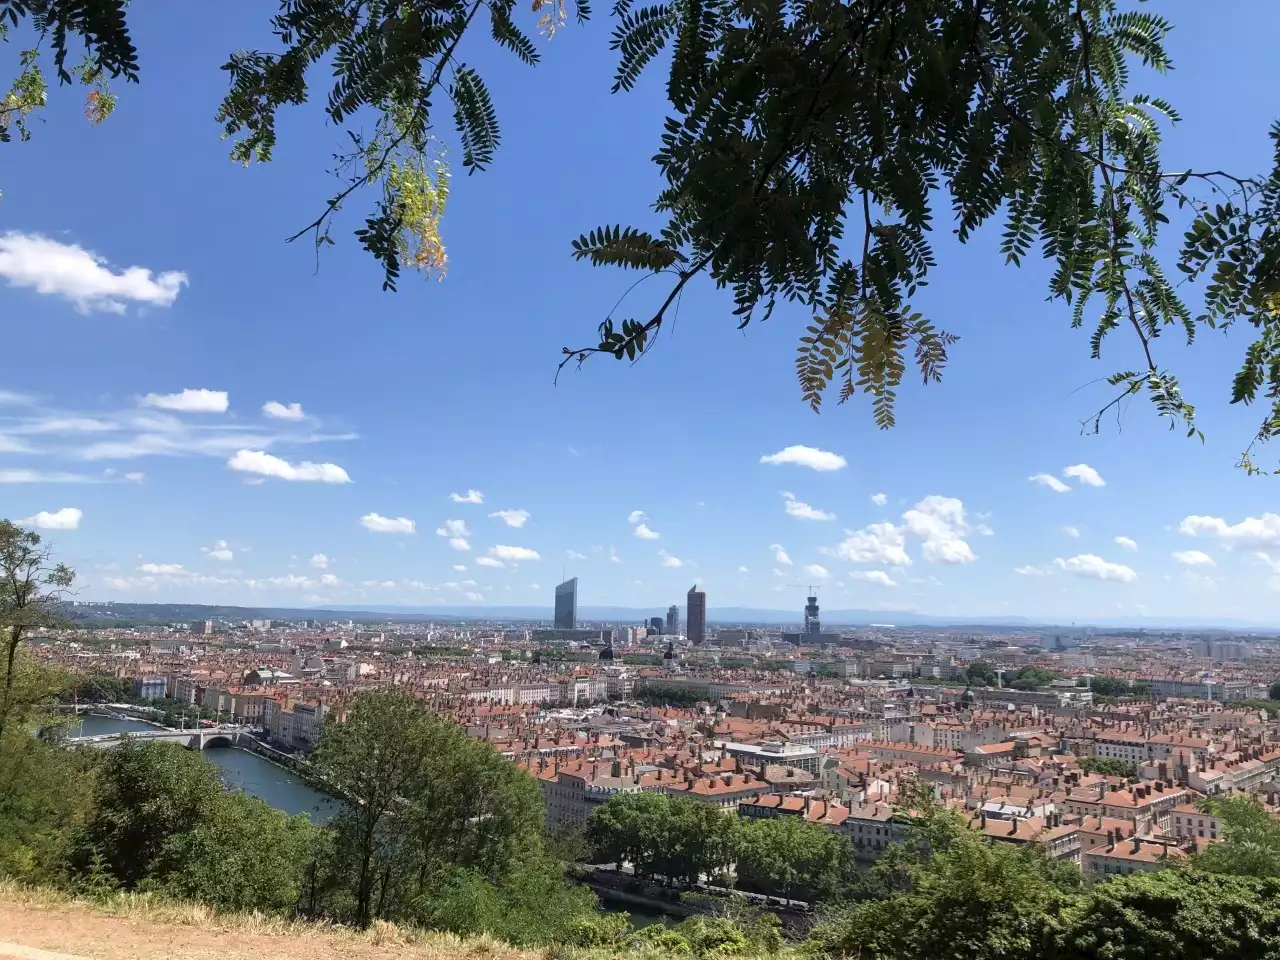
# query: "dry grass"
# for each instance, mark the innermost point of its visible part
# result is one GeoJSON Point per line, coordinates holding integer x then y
{"type": "Point", "coordinates": [133, 925]}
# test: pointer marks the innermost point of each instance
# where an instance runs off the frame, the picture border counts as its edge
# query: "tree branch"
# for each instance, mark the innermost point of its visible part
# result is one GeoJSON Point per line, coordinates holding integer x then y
{"type": "Point", "coordinates": [371, 173]}
{"type": "Point", "coordinates": [655, 323]}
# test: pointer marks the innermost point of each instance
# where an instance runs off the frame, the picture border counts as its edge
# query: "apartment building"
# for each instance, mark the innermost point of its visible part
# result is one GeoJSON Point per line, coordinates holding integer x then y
{"type": "Point", "coordinates": [1145, 803]}
{"type": "Point", "coordinates": [1189, 822]}
{"type": "Point", "coordinates": [760, 755]}
{"type": "Point", "coordinates": [1125, 856]}
{"type": "Point", "coordinates": [871, 828]}
{"type": "Point", "coordinates": [947, 736]}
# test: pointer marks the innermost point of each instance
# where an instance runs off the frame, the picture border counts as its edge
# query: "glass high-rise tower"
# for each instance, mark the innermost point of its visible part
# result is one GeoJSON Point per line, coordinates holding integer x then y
{"type": "Point", "coordinates": [567, 605]}
{"type": "Point", "coordinates": [696, 616]}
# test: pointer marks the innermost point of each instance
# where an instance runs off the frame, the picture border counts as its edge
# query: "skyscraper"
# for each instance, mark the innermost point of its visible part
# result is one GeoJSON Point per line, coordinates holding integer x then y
{"type": "Point", "coordinates": [811, 622]}
{"type": "Point", "coordinates": [696, 617]}
{"type": "Point", "coordinates": [567, 605]}
{"type": "Point", "coordinates": [673, 620]}
{"type": "Point", "coordinates": [655, 625]}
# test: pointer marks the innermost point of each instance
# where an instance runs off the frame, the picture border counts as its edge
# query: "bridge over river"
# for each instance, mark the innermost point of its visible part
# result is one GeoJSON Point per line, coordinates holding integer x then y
{"type": "Point", "coordinates": [224, 735]}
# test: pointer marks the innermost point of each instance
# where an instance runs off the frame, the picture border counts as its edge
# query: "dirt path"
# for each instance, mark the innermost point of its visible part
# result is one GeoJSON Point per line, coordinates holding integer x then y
{"type": "Point", "coordinates": [16, 951]}
{"type": "Point", "coordinates": [71, 931]}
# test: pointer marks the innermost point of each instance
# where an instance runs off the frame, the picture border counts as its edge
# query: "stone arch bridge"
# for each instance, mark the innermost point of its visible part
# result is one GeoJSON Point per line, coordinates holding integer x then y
{"type": "Point", "coordinates": [223, 736]}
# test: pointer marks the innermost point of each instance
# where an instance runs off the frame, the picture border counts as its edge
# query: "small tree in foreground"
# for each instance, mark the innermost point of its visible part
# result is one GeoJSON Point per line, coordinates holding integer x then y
{"type": "Point", "coordinates": [31, 587]}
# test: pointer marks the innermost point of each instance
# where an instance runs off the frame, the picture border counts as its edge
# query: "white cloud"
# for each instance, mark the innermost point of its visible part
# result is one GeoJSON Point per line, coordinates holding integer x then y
{"type": "Point", "coordinates": [280, 411]}
{"type": "Point", "coordinates": [319, 561]}
{"type": "Point", "coordinates": [1085, 474]}
{"type": "Point", "coordinates": [70, 271]}
{"type": "Point", "coordinates": [797, 508]}
{"type": "Point", "coordinates": [1194, 558]}
{"type": "Point", "coordinates": [1095, 568]}
{"type": "Point", "coordinates": [14, 445]}
{"type": "Point", "coordinates": [219, 551]}
{"type": "Point", "coordinates": [329, 580]}
{"type": "Point", "coordinates": [613, 555]}
{"type": "Point", "coordinates": [376, 523]}
{"type": "Point", "coordinates": [1071, 531]}
{"type": "Point", "coordinates": [817, 571]}
{"type": "Point", "coordinates": [879, 499]}
{"type": "Point", "coordinates": [39, 476]}
{"type": "Point", "coordinates": [135, 476]}
{"type": "Point", "coordinates": [460, 543]}
{"type": "Point", "coordinates": [575, 555]}
{"type": "Point", "coordinates": [1050, 481]}
{"type": "Point", "coordinates": [163, 569]}
{"type": "Point", "coordinates": [780, 555]}
{"type": "Point", "coordinates": [644, 533]}
{"type": "Point", "coordinates": [489, 562]}
{"type": "Point", "coordinates": [513, 554]}
{"type": "Point", "coordinates": [743, 570]}
{"type": "Point", "coordinates": [877, 543]}
{"type": "Point", "coordinates": [132, 433]}
{"type": "Point", "coordinates": [264, 464]}
{"type": "Point", "coordinates": [188, 401]}
{"type": "Point", "coordinates": [68, 518]}
{"type": "Point", "coordinates": [874, 576]}
{"type": "Point", "coordinates": [453, 528]}
{"type": "Point", "coordinates": [460, 567]}
{"type": "Point", "coordinates": [1126, 543]}
{"type": "Point", "coordinates": [669, 561]}
{"type": "Point", "coordinates": [809, 457]}
{"type": "Point", "coordinates": [471, 496]}
{"type": "Point", "coordinates": [1263, 531]}
{"type": "Point", "coordinates": [512, 518]}
{"type": "Point", "coordinates": [636, 516]}
{"type": "Point", "coordinates": [940, 523]}
{"type": "Point", "coordinates": [1030, 571]}
{"type": "Point", "coordinates": [60, 424]}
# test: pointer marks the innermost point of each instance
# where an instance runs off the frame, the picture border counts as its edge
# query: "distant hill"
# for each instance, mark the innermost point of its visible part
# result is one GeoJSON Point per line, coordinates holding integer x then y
{"type": "Point", "coordinates": [121, 614]}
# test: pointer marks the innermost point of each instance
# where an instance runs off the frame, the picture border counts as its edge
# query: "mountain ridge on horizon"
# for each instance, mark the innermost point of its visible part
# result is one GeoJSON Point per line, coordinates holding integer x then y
{"type": "Point", "coordinates": [154, 612]}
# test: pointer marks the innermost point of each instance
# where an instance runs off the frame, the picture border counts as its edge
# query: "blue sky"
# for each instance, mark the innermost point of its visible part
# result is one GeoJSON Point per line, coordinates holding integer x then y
{"type": "Point", "coordinates": [446, 387]}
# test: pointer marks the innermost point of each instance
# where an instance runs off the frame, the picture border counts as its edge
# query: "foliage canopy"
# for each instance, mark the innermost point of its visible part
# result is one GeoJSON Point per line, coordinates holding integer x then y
{"type": "Point", "coordinates": [424, 800]}
{"type": "Point", "coordinates": [808, 150]}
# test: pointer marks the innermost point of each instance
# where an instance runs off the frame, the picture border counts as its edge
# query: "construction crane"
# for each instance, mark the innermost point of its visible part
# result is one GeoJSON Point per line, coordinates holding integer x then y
{"type": "Point", "coordinates": [813, 590]}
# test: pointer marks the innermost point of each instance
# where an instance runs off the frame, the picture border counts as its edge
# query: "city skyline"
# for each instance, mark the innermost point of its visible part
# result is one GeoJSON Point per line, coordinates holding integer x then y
{"type": "Point", "coordinates": [202, 416]}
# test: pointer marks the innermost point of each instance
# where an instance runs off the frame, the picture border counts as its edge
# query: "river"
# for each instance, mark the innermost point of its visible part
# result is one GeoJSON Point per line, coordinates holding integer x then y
{"type": "Point", "coordinates": [241, 770]}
